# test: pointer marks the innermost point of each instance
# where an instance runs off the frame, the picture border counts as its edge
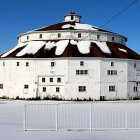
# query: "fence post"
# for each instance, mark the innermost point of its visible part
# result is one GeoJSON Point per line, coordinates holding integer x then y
{"type": "Point", "coordinates": [24, 117]}
{"type": "Point", "coordinates": [90, 117]}
{"type": "Point", "coordinates": [126, 117]}
{"type": "Point", "coordinates": [56, 117]}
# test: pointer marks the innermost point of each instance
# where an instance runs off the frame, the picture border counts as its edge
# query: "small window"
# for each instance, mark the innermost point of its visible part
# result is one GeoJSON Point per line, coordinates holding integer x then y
{"type": "Point", "coordinates": [81, 63]}
{"type": "Point", "coordinates": [1, 86]}
{"type": "Point", "coordinates": [40, 36]}
{"type": "Point", "coordinates": [82, 88]}
{"type": "Point", "coordinates": [79, 35]}
{"type": "Point", "coordinates": [108, 72]}
{"type": "Point", "coordinates": [51, 79]}
{"type": "Point", "coordinates": [43, 80]}
{"type": "Point", "coordinates": [57, 89]}
{"type": "Point", "coordinates": [135, 89]}
{"type": "Point", "coordinates": [27, 37]}
{"type": "Point", "coordinates": [98, 37]}
{"type": "Point", "coordinates": [135, 65]}
{"type": "Point", "coordinates": [17, 63]}
{"type": "Point", "coordinates": [26, 86]}
{"type": "Point", "coordinates": [44, 89]}
{"type": "Point", "coordinates": [85, 71]}
{"type": "Point", "coordinates": [72, 18]}
{"type": "Point", "coordinates": [52, 64]}
{"type": "Point", "coordinates": [113, 38]}
{"type": "Point", "coordinates": [58, 80]}
{"type": "Point", "coordinates": [77, 72]}
{"type": "Point", "coordinates": [27, 64]}
{"type": "Point", "coordinates": [59, 35]}
{"type": "Point", "coordinates": [112, 89]}
{"type": "Point", "coordinates": [112, 64]}
{"type": "Point", "coordinates": [3, 64]}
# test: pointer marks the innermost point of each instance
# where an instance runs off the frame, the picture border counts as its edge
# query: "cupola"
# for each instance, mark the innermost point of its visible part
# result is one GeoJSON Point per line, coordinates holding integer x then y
{"type": "Point", "coordinates": [72, 17]}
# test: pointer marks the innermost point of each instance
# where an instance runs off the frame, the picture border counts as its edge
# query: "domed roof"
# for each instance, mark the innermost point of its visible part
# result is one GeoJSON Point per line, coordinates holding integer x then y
{"type": "Point", "coordinates": [70, 46]}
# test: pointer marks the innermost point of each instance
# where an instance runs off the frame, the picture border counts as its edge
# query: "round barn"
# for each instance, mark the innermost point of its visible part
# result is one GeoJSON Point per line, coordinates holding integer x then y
{"type": "Point", "coordinates": [70, 61]}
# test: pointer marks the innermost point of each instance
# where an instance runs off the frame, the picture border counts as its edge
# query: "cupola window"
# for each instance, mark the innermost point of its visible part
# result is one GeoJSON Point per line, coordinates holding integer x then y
{"type": "Point", "coordinates": [79, 35]}
{"type": "Point", "coordinates": [40, 36]}
{"type": "Point", "coordinates": [113, 38]}
{"type": "Point", "coordinates": [59, 35]}
{"type": "Point", "coordinates": [98, 37]}
{"type": "Point", "coordinates": [72, 17]}
{"type": "Point", "coordinates": [27, 37]}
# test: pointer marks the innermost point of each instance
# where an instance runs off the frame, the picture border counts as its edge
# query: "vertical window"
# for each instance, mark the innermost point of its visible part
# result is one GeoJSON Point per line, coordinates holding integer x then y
{"type": "Point", "coordinates": [26, 86]}
{"type": "Point", "coordinates": [81, 63]}
{"type": "Point", "coordinates": [58, 80]}
{"type": "Point", "coordinates": [135, 65]}
{"type": "Point", "coordinates": [51, 79]}
{"type": "Point", "coordinates": [44, 89]}
{"type": "Point", "coordinates": [1, 86]}
{"type": "Point", "coordinates": [98, 37]}
{"type": "Point", "coordinates": [59, 35]}
{"type": "Point", "coordinates": [113, 38]}
{"type": "Point", "coordinates": [27, 37]}
{"type": "Point", "coordinates": [17, 63]}
{"type": "Point", "coordinates": [79, 34]}
{"type": "Point", "coordinates": [43, 80]}
{"type": "Point", "coordinates": [72, 18]}
{"type": "Point", "coordinates": [112, 64]}
{"type": "Point", "coordinates": [40, 36]}
{"type": "Point", "coordinates": [52, 64]}
{"type": "Point", "coordinates": [3, 64]}
{"type": "Point", "coordinates": [108, 72]}
{"type": "Point", "coordinates": [82, 88]}
{"type": "Point", "coordinates": [57, 89]}
{"type": "Point", "coordinates": [27, 64]}
{"type": "Point", "coordinates": [112, 89]}
{"type": "Point", "coordinates": [85, 71]}
{"type": "Point", "coordinates": [135, 89]}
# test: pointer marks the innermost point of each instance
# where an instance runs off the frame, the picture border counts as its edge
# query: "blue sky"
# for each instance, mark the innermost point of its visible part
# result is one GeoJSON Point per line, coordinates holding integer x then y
{"type": "Point", "coordinates": [18, 16]}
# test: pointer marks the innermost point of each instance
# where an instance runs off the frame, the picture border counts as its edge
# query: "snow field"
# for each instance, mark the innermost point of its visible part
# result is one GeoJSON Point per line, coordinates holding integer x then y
{"type": "Point", "coordinates": [11, 126]}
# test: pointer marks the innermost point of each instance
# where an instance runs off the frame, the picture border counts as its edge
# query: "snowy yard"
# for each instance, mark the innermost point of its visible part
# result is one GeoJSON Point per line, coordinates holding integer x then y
{"type": "Point", "coordinates": [11, 127]}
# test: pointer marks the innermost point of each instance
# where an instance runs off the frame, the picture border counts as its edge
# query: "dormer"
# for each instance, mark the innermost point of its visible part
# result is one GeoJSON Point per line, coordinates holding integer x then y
{"type": "Point", "coordinates": [72, 17]}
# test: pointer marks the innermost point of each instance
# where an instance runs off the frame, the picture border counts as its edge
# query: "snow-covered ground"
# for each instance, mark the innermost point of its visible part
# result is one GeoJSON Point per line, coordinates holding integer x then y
{"type": "Point", "coordinates": [11, 127]}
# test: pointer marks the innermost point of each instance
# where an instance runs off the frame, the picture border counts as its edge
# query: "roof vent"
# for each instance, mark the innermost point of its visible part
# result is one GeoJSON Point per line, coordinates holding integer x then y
{"type": "Point", "coordinates": [72, 17]}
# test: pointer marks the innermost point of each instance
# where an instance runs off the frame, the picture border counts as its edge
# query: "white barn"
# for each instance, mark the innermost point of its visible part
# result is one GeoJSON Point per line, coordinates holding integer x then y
{"type": "Point", "coordinates": [70, 60]}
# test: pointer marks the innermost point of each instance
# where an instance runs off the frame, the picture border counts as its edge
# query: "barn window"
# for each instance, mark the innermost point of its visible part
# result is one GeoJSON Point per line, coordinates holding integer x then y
{"type": "Point", "coordinates": [111, 72]}
{"type": "Point", "coordinates": [72, 18]}
{"type": "Point", "coordinates": [113, 38]}
{"type": "Point", "coordinates": [26, 86]}
{"type": "Point", "coordinates": [112, 64]}
{"type": "Point", "coordinates": [52, 64]}
{"type": "Point", "coordinates": [17, 63]}
{"type": "Point", "coordinates": [43, 80]}
{"type": "Point", "coordinates": [112, 88]}
{"type": "Point", "coordinates": [135, 65]}
{"type": "Point", "coordinates": [58, 80]}
{"type": "Point", "coordinates": [27, 64]}
{"type": "Point", "coordinates": [59, 35]}
{"type": "Point", "coordinates": [40, 36]}
{"type": "Point", "coordinates": [1, 86]}
{"type": "Point", "coordinates": [27, 37]}
{"type": "Point", "coordinates": [82, 88]}
{"type": "Point", "coordinates": [135, 89]}
{"type": "Point", "coordinates": [79, 35]}
{"type": "Point", "coordinates": [81, 72]}
{"type": "Point", "coordinates": [81, 63]}
{"type": "Point", "coordinates": [98, 37]}
{"type": "Point", "coordinates": [44, 89]}
{"type": "Point", "coordinates": [51, 79]}
{"type": "Point", "coordinates": [57, 89]}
